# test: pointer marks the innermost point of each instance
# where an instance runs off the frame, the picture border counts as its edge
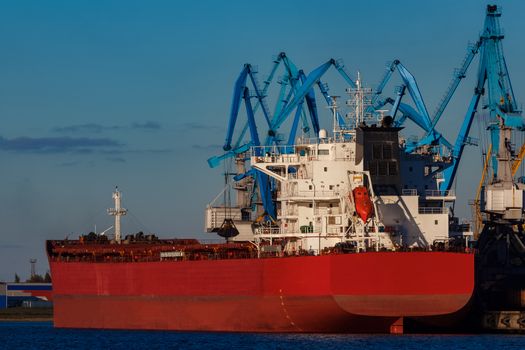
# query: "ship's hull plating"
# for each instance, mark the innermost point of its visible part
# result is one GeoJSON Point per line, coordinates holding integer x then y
{"type": "Point", "coordinates": [365, 292]}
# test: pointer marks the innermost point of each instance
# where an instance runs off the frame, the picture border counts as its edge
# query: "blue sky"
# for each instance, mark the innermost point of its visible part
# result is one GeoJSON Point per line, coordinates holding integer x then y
{"type": "Point", "coordinates": [95, 94]}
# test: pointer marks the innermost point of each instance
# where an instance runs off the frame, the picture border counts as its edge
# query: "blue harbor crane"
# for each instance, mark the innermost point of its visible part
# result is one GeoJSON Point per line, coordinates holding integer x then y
{"type": "Point", "coordinates": [493, 81]}
{"type": "Point", "coordinates": [499, 202]}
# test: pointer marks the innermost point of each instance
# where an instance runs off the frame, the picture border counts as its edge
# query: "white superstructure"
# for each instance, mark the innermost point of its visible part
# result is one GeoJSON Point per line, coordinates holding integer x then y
{"type": "Point", "coordinates": [315, 180]}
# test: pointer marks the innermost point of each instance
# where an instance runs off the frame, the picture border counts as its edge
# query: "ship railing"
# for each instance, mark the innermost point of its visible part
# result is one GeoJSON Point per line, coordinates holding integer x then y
{"type": "Point", "coordinates": [267, 231]}
{"type": "Point", "coordinates": [433, 210]}
{"type": "Point", "coordinates": [440, 193]}
{"type": "Point", "coordinates": [314, 140]}
{"type": "Point", "coordinates": [344, 137]}
{"type": "Point", "coordinates": [211, 241]}
{"type": "Point", "coordinates": [409, 192]}
{"type": "Point", "coordinates": [275, 150]}
{"type": "Point", "coordinates": [348, 159]}
{"type": "Point", "coordinates": [279, 158]}
{"type": "Point", "coordinates": [312, 193]}
{"type": "Point", "coordinates": [328, 211]}
{"type": "Point", "coordinates": [288, 212]}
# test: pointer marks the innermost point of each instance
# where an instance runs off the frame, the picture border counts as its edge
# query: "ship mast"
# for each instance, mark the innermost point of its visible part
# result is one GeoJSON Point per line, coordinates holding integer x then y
{"type": "Point", "coordinates": [360, 102]}
{"type": "Point", "coordinates": [359, 99]}
{"type": "Point", "coordinates": [117, 212]}
{"type": "Point", "coordinates": [336, 127]}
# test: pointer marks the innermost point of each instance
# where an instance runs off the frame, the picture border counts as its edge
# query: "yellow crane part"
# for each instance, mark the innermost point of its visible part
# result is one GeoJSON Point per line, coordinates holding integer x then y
{"type": "Point", "coordinates": [519, 158]}
{"type": "Point", "coordinates": [485, 167]}
{"type": "Point", "coordinates": [477, 207]}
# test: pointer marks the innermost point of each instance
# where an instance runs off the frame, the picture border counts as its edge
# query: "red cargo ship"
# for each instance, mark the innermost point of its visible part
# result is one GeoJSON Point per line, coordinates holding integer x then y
{"type": "Point", "coordinates": [183, 285]}
{"type": "Point", "coordinates": [356, 239]}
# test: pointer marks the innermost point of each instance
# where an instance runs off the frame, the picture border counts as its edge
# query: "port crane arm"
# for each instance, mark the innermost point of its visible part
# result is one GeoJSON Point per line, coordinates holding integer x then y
{"type": "Point", "coordinates": [263, 180]}
{"type": "Point", "coordinates": [240, 83]}
{"type": "Point", "coordinates": [295, 80]}
{"type": "Point", "coordinates": [459, 74]}
{"type": "Point", "coordinates": [241, 146]}
{"type": "Point", "coordinates": [312, 105]}
{"type": "Point", "coordinates": [260, 97]}
{"type": "Point", "coordinates": [312, 108]}
{"type": "Point", "coordinates": [395, 106]}
{"type": "Point", "coordinates": [251, 118]}
{"type": "Point", "coordinates": [214, 161]}
{"type": "Point", "coordinates": [305, 88]}
{"type": "Point", "coordinates": [386, 77]}
{"type": "Point", "coordinates": [282, 96]}
{"type": "Point", "coordinates": [449, 174]}
{"type": "Point", "coordinates": [419, 115]}
{"type": "Point", "coordinates": [414, 92]}
{"type": "Point", "coordinates": [339, 65]}
{"type": "Point", "coordinates": [323, 87]}
{"type": "Point", "coordinates": [293, 130]}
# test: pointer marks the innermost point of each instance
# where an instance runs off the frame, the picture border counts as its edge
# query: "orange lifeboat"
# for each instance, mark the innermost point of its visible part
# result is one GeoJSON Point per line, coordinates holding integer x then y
{"type": "Point", "coordinates": [363, 205]}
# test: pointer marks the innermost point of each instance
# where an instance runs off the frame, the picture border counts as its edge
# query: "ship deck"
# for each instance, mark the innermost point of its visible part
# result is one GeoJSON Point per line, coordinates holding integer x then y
{"type": "Point", "coordinates": [180, 250]}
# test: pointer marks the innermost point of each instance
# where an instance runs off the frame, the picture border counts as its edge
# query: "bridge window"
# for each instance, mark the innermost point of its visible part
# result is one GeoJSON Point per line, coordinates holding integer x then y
{"type": "Point", "coordinates": [376, 151]}
{"type": "Point", "coordinates": [387, 151]}
{"type": "Point", "coordinates": [392, 168]}
{"type": "Point", "coordinates": [383, 168]}
{"type": "Point", "coordinates": [372, 167]}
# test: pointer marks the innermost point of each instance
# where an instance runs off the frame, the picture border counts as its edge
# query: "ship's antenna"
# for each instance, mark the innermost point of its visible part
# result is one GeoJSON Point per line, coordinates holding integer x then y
{"type": "Point", "coordinates": [117, 212]}
{"type": "Point", "coordinates": [359, 102]}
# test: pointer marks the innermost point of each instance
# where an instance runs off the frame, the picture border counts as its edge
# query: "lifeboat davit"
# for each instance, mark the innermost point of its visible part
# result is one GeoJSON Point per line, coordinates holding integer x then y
{"type": "Point", "coordinates": [363, 204]}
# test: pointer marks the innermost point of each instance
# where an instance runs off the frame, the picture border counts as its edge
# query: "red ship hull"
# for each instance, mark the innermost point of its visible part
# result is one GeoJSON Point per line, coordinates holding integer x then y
{"type": "Point", "coordinates": [366, 292]}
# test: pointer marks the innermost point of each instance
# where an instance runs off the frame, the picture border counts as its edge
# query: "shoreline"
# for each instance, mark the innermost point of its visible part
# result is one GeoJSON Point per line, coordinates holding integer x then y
{"type": "Point", "coordinates": [26, 319]}
{"type": "Point", "coordinates": [21, 314]}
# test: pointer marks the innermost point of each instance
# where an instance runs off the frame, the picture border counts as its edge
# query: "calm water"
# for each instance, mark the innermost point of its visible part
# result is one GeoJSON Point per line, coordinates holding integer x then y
{"type": "Point", "coordinates": [42, 335]}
